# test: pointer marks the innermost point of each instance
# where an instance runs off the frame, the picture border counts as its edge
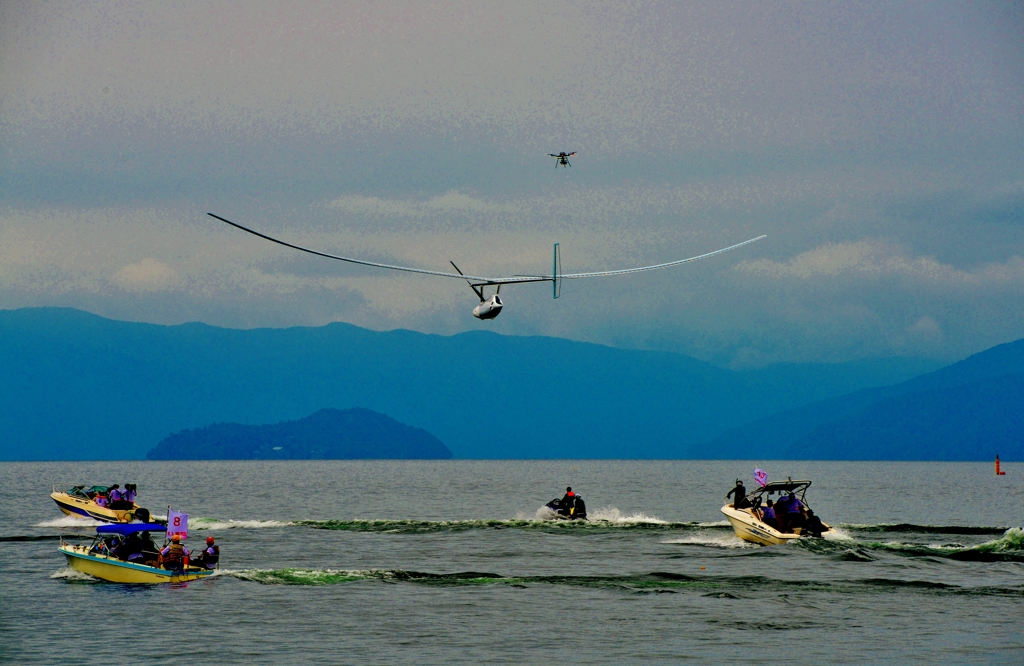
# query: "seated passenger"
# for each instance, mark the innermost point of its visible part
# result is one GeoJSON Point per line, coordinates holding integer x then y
{"type": "Point", "coordinates": [794, 512]}
{"type": "Point", "coordinates": [209, 556]}
{"type": "Point", "coordinates": [813, 526]}
{"type": "Point", "coordinates": [579, 511]}
{"type": "Point", "coordinates": [174, 554]}
{"type": "Point", "coordinates": [768, 516]}
{"type": "Point", "coordinates": [101, 500]}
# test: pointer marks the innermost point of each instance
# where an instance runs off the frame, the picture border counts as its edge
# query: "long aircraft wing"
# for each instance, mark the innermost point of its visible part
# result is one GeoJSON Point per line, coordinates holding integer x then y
{"type": "Point", "coordinates": [485, 280]}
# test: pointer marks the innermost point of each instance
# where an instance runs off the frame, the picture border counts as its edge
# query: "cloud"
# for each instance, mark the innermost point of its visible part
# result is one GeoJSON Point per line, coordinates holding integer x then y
{"type": "Point", "coordinates": [925, 326]}
{"type": "Point", "coordinates": [871, 258]}
{"type": "Point", "coordinates": [453, 202]}
{"type": "Point", "coordinates": [146, 275]}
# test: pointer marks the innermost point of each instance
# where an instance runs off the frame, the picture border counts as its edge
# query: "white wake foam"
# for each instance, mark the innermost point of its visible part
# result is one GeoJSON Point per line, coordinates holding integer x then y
{"type": "Point", "coordinates": [713, 540]}
{"type": "Point", "coordinates": [837, 534]}
{"type": "Point", "coordinates": [71, 574]}
{"type": "Point", "coordinates": [69, 521]}
{"type": "Point", "coordinates": [610, 514]}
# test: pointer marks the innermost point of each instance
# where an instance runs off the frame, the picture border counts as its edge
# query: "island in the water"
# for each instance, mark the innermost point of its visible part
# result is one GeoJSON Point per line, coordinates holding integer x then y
{"type": "Point", "coordinates": [329, 434]}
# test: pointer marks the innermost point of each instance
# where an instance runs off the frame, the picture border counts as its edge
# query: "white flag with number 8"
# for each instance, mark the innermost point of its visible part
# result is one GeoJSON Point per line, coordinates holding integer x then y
{"type": "Point", "coordinates": [177, 523]}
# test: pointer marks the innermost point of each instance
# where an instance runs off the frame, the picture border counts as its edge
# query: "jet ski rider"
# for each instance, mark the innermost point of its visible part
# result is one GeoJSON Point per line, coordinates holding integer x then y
{"type": "Point", "coordinates": [568, 504]}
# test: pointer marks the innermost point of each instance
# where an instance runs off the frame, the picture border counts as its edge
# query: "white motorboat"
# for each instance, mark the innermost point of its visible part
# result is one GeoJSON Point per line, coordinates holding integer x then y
{"type": "Point", "coordinates": [749, 522]}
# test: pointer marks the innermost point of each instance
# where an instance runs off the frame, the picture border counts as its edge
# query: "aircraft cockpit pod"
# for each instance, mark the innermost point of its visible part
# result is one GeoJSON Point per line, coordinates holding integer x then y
{"type": "Point", "coordinates": [489, 308]}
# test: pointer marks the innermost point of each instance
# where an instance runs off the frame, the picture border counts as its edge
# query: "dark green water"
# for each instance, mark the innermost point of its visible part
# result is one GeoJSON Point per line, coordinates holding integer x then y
{"type": "Point", "coordinates": [425, 562]}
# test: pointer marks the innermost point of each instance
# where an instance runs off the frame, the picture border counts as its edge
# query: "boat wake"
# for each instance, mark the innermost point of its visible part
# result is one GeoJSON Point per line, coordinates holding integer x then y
{"type": "Point", "coordinates": [1009, 547]}
{"type": "Point", "coordinates": [923, 529]}
{"type": "Point", "coordinates": [655, 582]}
{"type": "Point", "coordinates": [200, 523]}
{"type": "Point", "coordinates": [69, 521]}
{"type": "Point", "coordinates": [713, 540]}
{"type": "Point", "coordinates": [73, 576]}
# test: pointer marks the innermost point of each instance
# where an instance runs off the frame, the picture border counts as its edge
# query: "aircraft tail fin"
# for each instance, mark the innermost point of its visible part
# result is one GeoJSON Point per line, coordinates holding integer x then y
{"type": "Point", "coordinates": [556, 273]}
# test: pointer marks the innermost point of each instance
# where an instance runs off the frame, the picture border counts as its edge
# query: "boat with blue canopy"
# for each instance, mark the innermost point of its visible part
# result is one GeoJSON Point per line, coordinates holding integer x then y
{"type": "Point", "coordinates": [126, 553]}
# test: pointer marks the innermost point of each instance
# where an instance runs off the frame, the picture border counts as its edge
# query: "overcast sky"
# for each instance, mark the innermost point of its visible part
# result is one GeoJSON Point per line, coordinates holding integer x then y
{"type": "Point", "coordinates": [878, 145]}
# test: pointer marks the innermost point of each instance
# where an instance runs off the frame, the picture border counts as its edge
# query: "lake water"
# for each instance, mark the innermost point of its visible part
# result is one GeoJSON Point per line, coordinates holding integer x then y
{"type": "Point", "coordinates": [328, 562]}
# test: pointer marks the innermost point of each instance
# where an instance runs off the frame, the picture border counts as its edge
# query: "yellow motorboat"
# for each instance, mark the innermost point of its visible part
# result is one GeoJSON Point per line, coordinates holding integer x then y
{"type": "Point", "coordinates": [80, 502]}
{"type": "Point", "coordinates": [99, 558]}
{"type": "Point", "coordinates": [749, 523]}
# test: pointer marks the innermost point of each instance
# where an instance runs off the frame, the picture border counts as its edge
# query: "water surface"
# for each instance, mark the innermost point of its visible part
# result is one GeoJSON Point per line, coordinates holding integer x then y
{"type": "Point", "coordinates": [398, 562]}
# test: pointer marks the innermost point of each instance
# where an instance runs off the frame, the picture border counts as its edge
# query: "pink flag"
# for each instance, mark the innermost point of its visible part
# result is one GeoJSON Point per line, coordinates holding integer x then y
{"type": "Point", "coordinates": [760, 476]}
{"type": "Point", "coordinates": [177, 523]}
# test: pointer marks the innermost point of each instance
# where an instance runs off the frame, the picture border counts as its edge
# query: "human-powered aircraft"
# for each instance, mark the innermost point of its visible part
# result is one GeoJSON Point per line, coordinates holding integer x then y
{"type": "Point", "coordinates": [490, 308]}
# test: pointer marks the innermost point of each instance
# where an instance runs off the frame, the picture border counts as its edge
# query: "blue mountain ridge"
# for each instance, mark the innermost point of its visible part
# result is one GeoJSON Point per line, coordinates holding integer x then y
{"type": "Point", "coordinates": [969, 410]}
{"type": "Point", "coordinates": [79, 386]}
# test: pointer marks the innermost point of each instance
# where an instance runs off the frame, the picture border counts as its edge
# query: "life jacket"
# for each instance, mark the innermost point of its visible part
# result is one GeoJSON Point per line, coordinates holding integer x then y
{"type": "Point", "coordinates": [175, 555]}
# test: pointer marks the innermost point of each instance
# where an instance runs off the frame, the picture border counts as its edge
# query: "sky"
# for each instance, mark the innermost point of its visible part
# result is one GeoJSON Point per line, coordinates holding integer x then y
{"type": "Point", "coordinates": [878, 145]}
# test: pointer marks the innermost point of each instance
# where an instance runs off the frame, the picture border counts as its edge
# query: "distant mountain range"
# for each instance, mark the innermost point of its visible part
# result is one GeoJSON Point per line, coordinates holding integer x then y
{"type": "Point", "coordinates": [78, 386]}
{"type": "Point", "coordinates": [969, 410]}
{"type": "Point", "coordinates": [327, 434]}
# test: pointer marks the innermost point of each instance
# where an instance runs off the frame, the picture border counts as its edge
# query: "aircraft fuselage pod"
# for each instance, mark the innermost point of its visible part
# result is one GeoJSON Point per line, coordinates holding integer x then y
{"type": "Point", "coordinates": [488, 309]}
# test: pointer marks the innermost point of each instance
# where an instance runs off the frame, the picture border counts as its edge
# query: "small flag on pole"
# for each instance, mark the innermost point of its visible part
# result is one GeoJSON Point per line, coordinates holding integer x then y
{"type": "Point", "coordinates": [761, 477]}
{"type": "Point", "coordinates": [177, 523]}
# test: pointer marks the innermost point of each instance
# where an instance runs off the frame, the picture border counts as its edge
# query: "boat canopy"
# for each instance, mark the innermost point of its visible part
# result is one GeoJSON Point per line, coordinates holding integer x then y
{"type": "Point", "coordinates": [124, 529]}
{"type": "Point", "coordinates": [787, 486]}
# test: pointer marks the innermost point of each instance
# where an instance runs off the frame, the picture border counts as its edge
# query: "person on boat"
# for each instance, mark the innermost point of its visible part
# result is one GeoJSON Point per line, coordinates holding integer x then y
{"type": "Point", "coordinates": [131, 491]}
{"type": "Point", "coordinates": [101, 500]}
{"type": "Point", "coordinates": [739, 501]}
{"type": "Point", "coordinates": [768, 515]}
{"type": "Point", "coordinates": [813, 526]}
{"type": "Point", "coordinates": [149, 550]}
{"type": "Point", "coordinates": [794, 512]}
{"type": "Point", "coordinates": [173, 555]}
{"type": "Point", "coordinates": [568, 503]}
{"type": "Point", "coordinates": [117, 498]}
{"type": "Point", "coordinates": [209, 556]}
{"type": "Point", "coordinates": [579, 508]}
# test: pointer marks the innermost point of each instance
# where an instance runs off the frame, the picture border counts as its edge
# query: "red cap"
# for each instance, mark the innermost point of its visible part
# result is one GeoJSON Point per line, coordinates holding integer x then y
{"type": "Point", "coordinates": [209, 539]}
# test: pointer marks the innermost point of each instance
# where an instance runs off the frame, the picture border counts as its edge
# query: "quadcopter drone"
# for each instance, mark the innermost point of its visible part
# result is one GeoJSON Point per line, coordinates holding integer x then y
{"type": "Point", "coordinates": [562, 158]}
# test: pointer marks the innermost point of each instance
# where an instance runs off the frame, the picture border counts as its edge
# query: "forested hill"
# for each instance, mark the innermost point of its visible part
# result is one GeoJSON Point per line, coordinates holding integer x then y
{"type": "Point", "coordinates": [327, 434]}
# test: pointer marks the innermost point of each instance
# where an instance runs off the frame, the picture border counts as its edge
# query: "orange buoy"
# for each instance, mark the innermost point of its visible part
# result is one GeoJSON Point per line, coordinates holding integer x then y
{"type": "Point", "coordinates": [999, 472]}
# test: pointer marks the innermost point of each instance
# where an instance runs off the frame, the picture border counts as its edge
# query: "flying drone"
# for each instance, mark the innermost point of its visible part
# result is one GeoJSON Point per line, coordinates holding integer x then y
{"type": "Point", "coordinates": [562, 159]}
{"type": "Point", "coordinates": [490, 307]}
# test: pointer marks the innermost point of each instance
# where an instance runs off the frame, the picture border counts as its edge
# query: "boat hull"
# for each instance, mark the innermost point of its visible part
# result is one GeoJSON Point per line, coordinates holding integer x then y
{"type": "Point", "coordinates": [117, 571]}
{"type": "Point", "coordinates": [749, 528]}
{"type": "Point", "coordinates": [81, 508]}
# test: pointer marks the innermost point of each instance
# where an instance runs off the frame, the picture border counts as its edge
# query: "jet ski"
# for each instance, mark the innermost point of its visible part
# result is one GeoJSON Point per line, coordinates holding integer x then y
{"type": "Point", "coordinates": [576, 508]}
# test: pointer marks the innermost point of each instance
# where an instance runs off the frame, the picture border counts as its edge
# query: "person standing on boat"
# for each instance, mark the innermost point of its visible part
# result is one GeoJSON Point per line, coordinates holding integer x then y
{"type": "Point", "coordinates": [173, 555]}
{"type": "Point", "coordinates": [210, 555]}
{"type": "Point", "coordinates": [115, 496]}
{"type": "Point", "coordinates": [131, 491]}
{"type": "Point", "coordinates": [739, 501]}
